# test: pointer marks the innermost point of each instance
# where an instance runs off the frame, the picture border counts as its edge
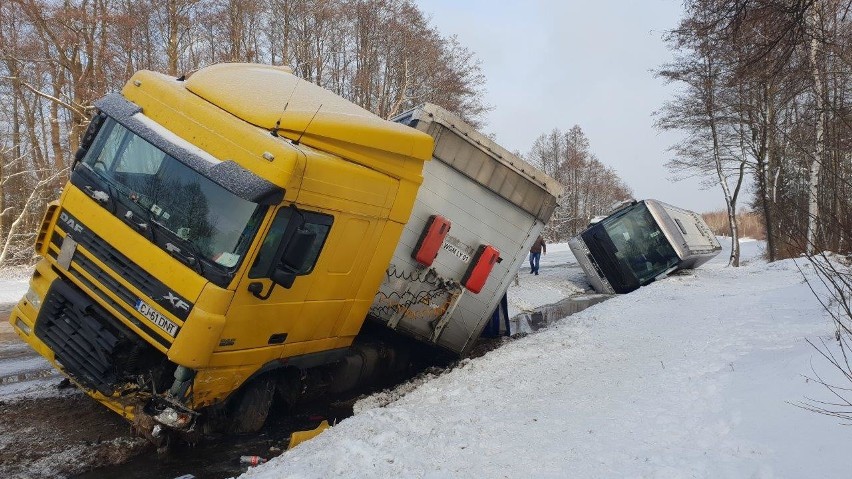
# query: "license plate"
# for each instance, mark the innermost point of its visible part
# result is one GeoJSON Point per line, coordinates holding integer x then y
{"type": "Point", "coordinates": [161, 321]}
{"type": "Point", "coordinates": [456, 251]}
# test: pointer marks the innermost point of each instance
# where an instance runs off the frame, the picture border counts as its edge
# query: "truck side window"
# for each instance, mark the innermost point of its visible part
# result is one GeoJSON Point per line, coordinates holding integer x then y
{"type": "Point", "coordinates": [267, 250]}
{"type": "Point", "coordinates": [321, 230]}
{"type": "Point", "coordinates": [285, 223]}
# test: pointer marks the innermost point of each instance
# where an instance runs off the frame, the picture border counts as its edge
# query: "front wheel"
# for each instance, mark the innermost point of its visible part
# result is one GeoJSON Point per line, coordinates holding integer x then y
{"type": "Point", "coordinates": [251, 406]}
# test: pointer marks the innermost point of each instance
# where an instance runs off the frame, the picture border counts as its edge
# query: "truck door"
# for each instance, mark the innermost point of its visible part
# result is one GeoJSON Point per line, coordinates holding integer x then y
{"type": "Point", "coordinates": [264, 314]}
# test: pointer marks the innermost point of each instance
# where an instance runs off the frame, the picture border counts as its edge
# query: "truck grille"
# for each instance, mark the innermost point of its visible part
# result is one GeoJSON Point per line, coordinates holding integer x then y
{"type": "Point", "coordinates": [89, 345]}
{"type": "Point", "coordinates": [103, 278]}
{"type": "Point", "coordinates": [80, 336]}
{"type": "Point", "coordinates": [122, 267]}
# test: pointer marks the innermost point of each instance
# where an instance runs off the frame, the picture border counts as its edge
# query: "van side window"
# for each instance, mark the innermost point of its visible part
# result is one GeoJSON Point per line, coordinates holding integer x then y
{"type": "Point", "coordinates": [285, 224]}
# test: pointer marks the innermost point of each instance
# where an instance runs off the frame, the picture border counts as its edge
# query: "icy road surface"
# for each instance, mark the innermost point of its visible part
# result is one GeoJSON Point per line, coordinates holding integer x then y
{"type": "Point", "coordinates": [22, 372]}
{"type": "Point", "coordinates": [692, 376]}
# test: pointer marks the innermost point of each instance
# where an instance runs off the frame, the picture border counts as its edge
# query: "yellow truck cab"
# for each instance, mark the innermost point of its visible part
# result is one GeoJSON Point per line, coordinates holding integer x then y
{"type": "Point", "coordinates": [224, 233]}
{"type": "Point", "coordinates": [159, 254]}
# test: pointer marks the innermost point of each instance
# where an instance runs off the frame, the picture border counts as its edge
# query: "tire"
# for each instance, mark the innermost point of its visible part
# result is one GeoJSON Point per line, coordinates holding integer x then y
{"type": "Point", "coordinates": [251, 406]}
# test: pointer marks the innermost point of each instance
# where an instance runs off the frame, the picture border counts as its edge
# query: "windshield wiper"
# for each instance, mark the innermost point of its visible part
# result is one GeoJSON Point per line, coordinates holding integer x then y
{"type": "Point", "coordinates": [192, 259]}
{"type": "Point", "coordinates": [145, 227]}
{"type": "Point", "coordinates": [105, 199]}
{"type": "Point", "coordinates": [101, 197]}
{"type": "Point", "coordinates": [112, 197]}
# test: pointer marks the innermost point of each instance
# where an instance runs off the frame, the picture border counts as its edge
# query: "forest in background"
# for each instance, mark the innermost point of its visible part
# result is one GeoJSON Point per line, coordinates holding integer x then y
{"type": "Point", "coordinates": [591, 187]}
{"type": "Point", "coordinates": [57, 58]}
{"type": "Point", "coordinates": [764, 94]}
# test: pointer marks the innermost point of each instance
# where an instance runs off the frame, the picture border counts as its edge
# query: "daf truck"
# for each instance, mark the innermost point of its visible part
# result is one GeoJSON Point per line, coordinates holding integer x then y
{"type": "Point", "coordinates": [240, 236]}
{"type": "Point", "coordinates": [641, 242]}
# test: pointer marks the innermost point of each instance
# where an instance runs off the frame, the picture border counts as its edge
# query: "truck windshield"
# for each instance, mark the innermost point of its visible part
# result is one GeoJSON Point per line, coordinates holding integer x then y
{"type": "Point", "coordinates": [159, 193]}
{"type": "Point", "coordinates": [640, 244]}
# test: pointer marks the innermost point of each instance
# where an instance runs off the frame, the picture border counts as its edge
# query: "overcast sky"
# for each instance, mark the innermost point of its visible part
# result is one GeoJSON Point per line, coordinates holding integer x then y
{"type": "Point", "coordinates": [556, 63]}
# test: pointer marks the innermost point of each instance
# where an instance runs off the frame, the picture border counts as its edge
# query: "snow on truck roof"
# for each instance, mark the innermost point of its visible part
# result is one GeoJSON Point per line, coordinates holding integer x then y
{"type": "Point", "coordinates": [274, 99]}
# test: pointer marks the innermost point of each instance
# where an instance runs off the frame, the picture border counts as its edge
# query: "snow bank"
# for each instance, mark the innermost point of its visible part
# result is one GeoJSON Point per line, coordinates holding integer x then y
{"type": "Point", "coordinates": [692, 376]}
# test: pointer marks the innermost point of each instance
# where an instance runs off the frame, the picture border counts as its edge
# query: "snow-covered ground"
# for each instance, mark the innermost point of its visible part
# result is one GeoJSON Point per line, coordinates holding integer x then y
{"type": "Point", "coordinates": [559, 277]}
{"type": "Point", "coordinates": [692, 376]}
{"type": "Point", "coordinates": [13, 284]}
{"type": "Point", "coordinates": [22, 372]}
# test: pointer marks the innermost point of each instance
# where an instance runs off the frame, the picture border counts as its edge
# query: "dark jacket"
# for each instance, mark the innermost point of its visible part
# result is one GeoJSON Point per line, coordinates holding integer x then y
{"type": "Point", "coordinates": [538, 246]}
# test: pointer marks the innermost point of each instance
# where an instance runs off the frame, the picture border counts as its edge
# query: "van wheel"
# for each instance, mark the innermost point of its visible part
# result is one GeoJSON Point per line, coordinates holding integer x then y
{"type": "Point", "coordinates": [251, 406]}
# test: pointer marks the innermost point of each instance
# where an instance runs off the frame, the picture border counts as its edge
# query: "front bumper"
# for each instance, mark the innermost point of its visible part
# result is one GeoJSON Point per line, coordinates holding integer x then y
{"type": "Point", "coordinates": [123, 406]}
{"type": "Point", "coordinates": [81, 341]}
{"type": "Point", "coordinates": [587, 262]}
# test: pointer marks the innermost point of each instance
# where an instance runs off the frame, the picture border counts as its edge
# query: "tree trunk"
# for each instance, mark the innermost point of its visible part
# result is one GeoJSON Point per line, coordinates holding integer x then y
{"type": "Point", "coordinates": [816, 161]}
{"type": "Point", "coordinates": [173, 26]}
{"type": "Point", "coordinates": [710, 111]}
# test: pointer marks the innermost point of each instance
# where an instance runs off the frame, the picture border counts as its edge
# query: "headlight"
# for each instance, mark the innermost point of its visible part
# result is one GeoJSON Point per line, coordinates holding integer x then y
{"type": "Point", "coordinates": [33, 298]}
{"type": "Point", "coordinates": [23, 326]}
{"type": "Point", "coordinates": [175, 419]}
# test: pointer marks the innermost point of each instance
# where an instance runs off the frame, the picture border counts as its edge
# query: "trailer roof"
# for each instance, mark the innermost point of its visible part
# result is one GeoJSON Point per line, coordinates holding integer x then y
{"type": "Point", "coordinates": [464, 148]}
{"type": "Point", "coordinates": [274, 99]}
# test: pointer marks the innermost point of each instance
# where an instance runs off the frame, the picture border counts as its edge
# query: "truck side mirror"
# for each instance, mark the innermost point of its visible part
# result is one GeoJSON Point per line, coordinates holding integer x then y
{"type": "Point", "coordinates": [295, 258]}
{"type": "Point", "coordinates": [284, 278]}
{"type": "Point", "coordinates": [292, 258]}
{"type": "Point", "coordinates": [295, 255]}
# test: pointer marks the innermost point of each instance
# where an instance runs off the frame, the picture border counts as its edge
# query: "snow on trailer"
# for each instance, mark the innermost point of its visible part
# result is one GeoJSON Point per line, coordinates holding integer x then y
{"type": "Point", "coordinates": [476, 215]}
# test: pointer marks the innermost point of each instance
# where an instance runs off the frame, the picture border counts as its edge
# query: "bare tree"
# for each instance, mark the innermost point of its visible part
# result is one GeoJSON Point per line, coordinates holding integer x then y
{"type": "Point", "coordinates": [784, 97]}
{"type": "Point", "coordinates": [16, 243]}
{"type": "Point", "coordinates": [714, 146]}
{"type": "Point", "coordinates": [591, 188]}
{"type": "Point", "coordinates": [831, 283]}
{"type": "Point", "coordinates": [781, 100]}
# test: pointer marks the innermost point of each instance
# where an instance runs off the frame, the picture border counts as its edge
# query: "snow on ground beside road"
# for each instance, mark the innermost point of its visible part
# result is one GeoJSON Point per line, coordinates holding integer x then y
{"type": "Point", "coordinates": [23, 373]}
{"type": "Point", "coordinates": [692, 376]}
{"type": "Point", "coordinates": [553, 283]}
{"type": "Point", "coordinates": [14, 283]}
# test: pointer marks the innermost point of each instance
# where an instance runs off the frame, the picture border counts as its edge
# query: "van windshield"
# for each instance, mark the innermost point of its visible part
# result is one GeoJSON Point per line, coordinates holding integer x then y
{"type": "Point", "coordinates": [640, 244]}
{"type": "Point", "coordinates": [158, 192]}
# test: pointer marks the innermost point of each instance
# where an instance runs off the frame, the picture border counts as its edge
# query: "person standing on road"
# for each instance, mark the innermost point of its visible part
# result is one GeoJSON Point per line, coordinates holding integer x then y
{"type": "Point", "coordinates": [535, 254]}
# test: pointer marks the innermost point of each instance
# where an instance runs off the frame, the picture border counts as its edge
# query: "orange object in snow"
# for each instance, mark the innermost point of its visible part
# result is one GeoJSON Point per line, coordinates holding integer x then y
{"type": "Point", "coordinates": [480, 267]}
{"type": "Point", "coordinates": [299, 437]}
{"type": "Point", "coordinates": [431, 240]}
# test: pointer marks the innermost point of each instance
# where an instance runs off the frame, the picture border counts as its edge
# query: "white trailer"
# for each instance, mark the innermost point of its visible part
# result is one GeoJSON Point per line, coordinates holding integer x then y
{"type": "Point", "coordinates": [488, 200]}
